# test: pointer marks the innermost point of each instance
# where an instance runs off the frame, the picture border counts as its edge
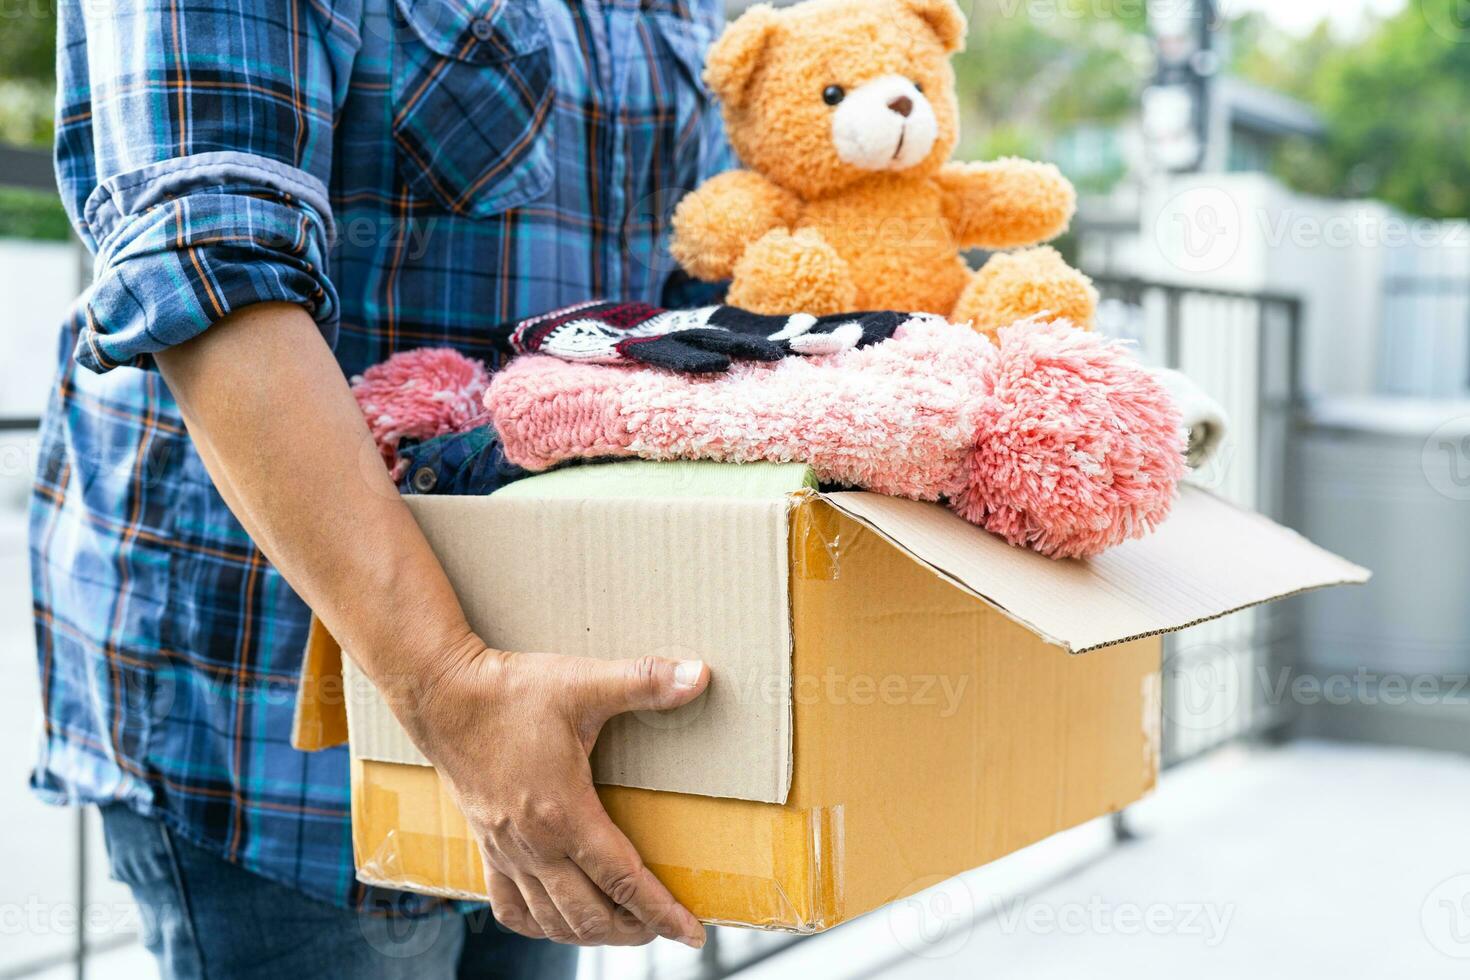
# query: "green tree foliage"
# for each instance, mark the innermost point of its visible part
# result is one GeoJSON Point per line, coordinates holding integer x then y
{"type": "Point", "coordinates": [1397, 107]}
{"type": "Point", "coordinates": [1034, 69]}
{"type": "Point", "coordinates": [1276, 60]}
{"type": "Point", "coordinates": [32, 214]}
{"type": "Point", "coordinates": [28, 40]}
{"type": "Point", "coordinates": [27, 70]}
{"type": "Point", "coordinates": [27, 87]}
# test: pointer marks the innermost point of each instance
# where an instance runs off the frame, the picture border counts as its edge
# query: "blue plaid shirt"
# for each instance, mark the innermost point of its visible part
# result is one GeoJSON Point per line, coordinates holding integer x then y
{"type": "Point", "coordinates": [409, 171]}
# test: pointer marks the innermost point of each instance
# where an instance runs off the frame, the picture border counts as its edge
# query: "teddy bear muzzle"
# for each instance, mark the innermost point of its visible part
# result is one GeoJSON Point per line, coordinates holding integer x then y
{"type": "Point", "coordinates": [884, 124]}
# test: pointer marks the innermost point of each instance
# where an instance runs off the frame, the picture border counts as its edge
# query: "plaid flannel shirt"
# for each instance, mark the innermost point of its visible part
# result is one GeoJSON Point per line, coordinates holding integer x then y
{"type": "Point", "coordinates": [411, 172]}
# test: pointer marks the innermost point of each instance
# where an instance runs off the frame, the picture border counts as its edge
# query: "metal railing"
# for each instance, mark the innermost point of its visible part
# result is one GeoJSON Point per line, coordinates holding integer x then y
{"type": "Point", "coordinates": [1424, 335]}
{"type": "Point", "coordinates": [28, 169]}
{"type": "Point", "coordinates": [1246, 349]}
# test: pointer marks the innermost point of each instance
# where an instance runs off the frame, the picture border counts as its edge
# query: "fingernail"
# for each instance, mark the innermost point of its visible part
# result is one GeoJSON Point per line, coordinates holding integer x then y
{"type": "Point", "coordinates": [686, 673]}
{"type": "Point", "coordinates": [693, 942]}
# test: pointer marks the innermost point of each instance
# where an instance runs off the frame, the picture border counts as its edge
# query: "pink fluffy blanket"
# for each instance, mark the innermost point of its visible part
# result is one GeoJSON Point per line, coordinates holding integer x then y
{"type": "Point", "coordinates": [1055, 439]}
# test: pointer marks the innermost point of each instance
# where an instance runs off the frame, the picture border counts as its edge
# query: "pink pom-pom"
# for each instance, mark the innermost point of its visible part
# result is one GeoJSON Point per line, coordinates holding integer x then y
{"type": "Point", "coordinates": [419, 394]}
{"type": "Point", "coordinates": [1077, 447]}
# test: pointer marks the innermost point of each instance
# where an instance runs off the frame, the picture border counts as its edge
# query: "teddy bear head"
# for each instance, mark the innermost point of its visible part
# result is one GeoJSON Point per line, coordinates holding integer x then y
{"type": "Point", "coordinates": [819, 95]}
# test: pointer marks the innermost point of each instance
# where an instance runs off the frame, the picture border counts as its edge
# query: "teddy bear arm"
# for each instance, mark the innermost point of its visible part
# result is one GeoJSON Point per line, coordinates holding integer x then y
{"type": "Point", "coordinates": [1006, 203]}
{"type": "Point", "coordinates": [714, 224]}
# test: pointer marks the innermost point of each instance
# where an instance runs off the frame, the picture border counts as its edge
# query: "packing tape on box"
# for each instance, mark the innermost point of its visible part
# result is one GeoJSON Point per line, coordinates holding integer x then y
{"type": "Point", "coordinates": [778, 867]}
{"type": "Point", "coordinates": [816, 539]}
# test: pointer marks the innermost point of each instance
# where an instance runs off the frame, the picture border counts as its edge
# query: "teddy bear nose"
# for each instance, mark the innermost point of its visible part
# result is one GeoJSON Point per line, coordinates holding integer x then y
{"type": "Point", "coordinates": [902, 105]}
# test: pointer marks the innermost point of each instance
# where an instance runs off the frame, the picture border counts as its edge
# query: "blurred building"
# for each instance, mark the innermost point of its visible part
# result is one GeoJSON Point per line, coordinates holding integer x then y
{"type": "Point", "coordinates": [1337, 334]}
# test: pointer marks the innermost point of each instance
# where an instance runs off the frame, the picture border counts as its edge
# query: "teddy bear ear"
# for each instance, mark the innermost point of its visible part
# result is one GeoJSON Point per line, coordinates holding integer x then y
{"type": "Point", "coordinates": [734, 58]}
{"type": "Point", "coordinates": [944, 18]}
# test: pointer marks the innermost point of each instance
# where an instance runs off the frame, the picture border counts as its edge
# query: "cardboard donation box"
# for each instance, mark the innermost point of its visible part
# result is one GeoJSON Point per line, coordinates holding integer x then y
{"type": "Point", "coordinates": [896, 696]}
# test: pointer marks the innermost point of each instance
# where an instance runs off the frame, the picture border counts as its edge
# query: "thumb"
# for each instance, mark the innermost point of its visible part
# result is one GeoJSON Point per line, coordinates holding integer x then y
{"type": "Point", "coordinates": [642, 684]}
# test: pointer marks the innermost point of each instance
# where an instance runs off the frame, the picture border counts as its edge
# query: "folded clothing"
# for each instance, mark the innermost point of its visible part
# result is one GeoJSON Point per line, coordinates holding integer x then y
{"type": "Point", "coordinates": [696, 341]}
{"type": "Point", "coordinates": [1206, 423]}
{"type": "Point", "coordinates": [418, 395]}
{"type": "Point", "coordinates": [470, 463]}
{"type": "Point", "coordinates": [1055, 439]}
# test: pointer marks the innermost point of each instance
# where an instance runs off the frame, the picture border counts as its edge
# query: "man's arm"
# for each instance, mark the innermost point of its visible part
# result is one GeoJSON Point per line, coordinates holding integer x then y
{"type": "Point", "coordinates": [270, 412]}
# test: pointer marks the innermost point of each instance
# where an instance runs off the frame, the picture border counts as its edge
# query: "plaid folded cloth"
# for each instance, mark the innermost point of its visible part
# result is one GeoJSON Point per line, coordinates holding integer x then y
{"type": "Point", "coordinates": [697, 341]}
{"type": "Point", "coordinates": [466, 463]}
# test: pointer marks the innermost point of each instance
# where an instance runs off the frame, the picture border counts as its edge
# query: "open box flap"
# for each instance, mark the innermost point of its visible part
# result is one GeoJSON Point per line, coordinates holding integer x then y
{"type": "Point", "coordinates": [1208, 559]}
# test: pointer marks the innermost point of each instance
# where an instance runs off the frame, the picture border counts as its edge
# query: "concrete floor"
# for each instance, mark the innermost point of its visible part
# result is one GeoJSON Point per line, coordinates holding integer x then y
{"type": "Point", "coordinates": [1312, 860]}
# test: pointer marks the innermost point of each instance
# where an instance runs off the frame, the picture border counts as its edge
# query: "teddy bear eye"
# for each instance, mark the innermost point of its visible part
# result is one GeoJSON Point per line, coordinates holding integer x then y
{"type": "Point", "coordinates": [833, 94]}
{"type": "Point", "coordinates": [919, 87]}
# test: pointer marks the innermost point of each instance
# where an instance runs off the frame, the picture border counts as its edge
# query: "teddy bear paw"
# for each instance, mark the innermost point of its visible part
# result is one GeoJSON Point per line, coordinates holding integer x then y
{"type": "Point", "coordinates": [1015, 286]}
{"type": "Point", "coordinates": [784, 272]}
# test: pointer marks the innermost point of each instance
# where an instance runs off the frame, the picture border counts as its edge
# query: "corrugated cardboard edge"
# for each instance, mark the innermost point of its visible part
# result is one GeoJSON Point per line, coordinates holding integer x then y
{"type": "Point", "coordinates": [848, 503]}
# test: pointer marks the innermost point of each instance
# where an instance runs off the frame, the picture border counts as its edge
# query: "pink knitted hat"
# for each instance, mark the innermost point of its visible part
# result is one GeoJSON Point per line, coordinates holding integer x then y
{"type": "Point", "coordinates": [419, 394]}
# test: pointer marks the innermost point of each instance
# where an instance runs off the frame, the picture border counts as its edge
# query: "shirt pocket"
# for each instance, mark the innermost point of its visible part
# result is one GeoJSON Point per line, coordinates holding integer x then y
{"type": "Point", "coordinates": [472, 96]}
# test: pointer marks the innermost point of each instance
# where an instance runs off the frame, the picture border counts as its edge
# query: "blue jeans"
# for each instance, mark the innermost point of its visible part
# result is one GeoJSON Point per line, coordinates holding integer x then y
{"type": "Point", "coordinates": [205, 917]}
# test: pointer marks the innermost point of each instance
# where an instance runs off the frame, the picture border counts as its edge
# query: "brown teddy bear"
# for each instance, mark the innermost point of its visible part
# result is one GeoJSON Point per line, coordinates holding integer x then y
{"type": "Point", "coordinates": [845, 113]}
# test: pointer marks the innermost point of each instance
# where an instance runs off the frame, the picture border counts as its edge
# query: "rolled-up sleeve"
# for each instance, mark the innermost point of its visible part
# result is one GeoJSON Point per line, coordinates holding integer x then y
{"type": "Point", "coordinates": [193, 149]}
